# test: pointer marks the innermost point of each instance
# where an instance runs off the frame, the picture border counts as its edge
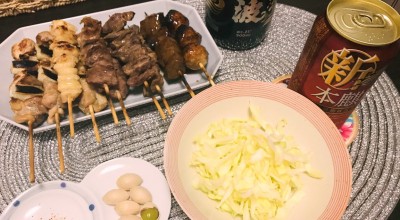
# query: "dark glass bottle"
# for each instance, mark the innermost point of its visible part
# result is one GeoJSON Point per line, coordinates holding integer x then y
{"type": "Point", "coordinates": [239, 24]}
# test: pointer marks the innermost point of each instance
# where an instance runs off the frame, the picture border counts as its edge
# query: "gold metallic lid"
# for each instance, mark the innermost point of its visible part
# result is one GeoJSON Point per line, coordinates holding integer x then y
{"type": "Point", "coordinates": [366, 22]}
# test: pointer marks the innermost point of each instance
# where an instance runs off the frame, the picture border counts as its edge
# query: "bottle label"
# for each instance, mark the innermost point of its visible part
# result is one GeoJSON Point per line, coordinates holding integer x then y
{"type": "Point", "coordinates": [250, 12]}
{"type": "Point", "coordinates": [239, 24]}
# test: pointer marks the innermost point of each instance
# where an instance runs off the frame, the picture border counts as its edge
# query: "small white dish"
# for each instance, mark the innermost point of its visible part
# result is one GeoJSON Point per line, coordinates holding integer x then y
{"type": "Point", "coordinates": [103, 178]}
{"type": "Point", "coordinates": [55, 200]}
{"type": "Point", "coordinates": [83, 201]}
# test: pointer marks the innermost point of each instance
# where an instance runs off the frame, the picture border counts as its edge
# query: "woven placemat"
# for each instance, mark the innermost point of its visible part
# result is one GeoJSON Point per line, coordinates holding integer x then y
{"type": "Point", "coordinates": [14, 7]}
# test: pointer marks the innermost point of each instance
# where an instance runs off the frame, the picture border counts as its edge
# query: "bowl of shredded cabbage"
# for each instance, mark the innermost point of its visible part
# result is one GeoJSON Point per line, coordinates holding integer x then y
{"type": "Point", "coordinates": [256, 150]}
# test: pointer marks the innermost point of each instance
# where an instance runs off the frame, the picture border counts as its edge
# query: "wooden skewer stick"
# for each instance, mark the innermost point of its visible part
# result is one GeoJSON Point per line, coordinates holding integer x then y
{"type": "Point", "coordinates": [71, 118]}
{"type": "Point", "coordinates": [31, 153]}
{"type": "Point", "coordinates": [59, 141]}
{"type": "Point", "coordinates": [95, 128]}
{"type": "Point", "coordinates": [110, 103]}
{"type": "Point", "coordinates": [189, 89]}
{"type": "Point", "coordinates": [146, 85]}
{"type": "Point", "coordinates": [121, 103]}
{"type": "Point", "coordinates": [207, 74]}
{"type": "Point", "coordinates": [164, 100]}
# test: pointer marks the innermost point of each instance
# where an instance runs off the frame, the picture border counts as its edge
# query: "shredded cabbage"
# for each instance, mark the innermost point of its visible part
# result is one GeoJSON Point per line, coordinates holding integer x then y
{"type": "Point", "coordinates": [250, 167]}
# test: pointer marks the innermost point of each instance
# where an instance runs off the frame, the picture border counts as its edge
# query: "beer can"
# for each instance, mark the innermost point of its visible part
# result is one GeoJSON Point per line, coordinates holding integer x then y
{"type": "Point", "coordinates": [346, 51]}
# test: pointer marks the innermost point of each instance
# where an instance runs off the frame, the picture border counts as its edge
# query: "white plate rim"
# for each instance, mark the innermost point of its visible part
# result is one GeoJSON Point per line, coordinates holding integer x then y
{"type": "Point", "coordinates": [93, 177]}
{"type": "Point", "coordinates": [76, 188]}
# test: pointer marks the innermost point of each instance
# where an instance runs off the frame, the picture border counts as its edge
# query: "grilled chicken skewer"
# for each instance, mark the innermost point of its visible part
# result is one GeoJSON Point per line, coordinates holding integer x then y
{"type": "Point", "coordinates": [65, 59]}
{"type": "Point", "coordinates": [139, 62]}
{"type": "Point", "coordinates": [169, 54]}
{"type": "Point", "coordinates": [51, 97]}
{"type": "Point", "coordinates": [92, 101]}
{"type": "Point", "coordinates": [26, 93]}
{"type": "Point", "coordinates": [103, 71]}
{"type": "Point", "coordinates": [189, 40]}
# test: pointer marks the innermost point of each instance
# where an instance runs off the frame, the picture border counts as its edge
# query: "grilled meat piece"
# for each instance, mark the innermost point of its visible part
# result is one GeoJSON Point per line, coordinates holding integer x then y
{"type": "Point", "coordinates": [63, 31]}
{"type": "Point", "coordinates": [44, 39]}
{"type": "Point", "coordinates": [188, 39]}
{"type": "Point", "coordinates": [152, 27]}
{"type": "Point", "coordinates": [169, 55]}
{"type": "Point", "coordinates": [96, 54]}
{"type": "Point", "coordinates": [52, 100]}
{"type": "Point", "coordinates": [121, 87]}
{"type": "Point", "coordinates": [100, 66]}
{"type": "Point", "coordinates": [90, 32]}
{"type": "Point", "coordinates": [23, 49]}
{"type": "Point", "coordinates": [174, 19]}
{"type": "Point", "coordinates": [129, 48]}
{"type": "Point", "coordinates": [102, 74]}
{"type": "Point", "coordinates": [147, 75]}
{"type": "Point", "coordinates": [51, 96]}
{"type": "Point", "coordinates": [186, 35]}
{"type": "Point", "coordinates": [170, 58]}
{"type": "Point", "coordinates": [117, 22]}
{"type": "Point", "coordinates": [65, 60]}
{"type": "Point", "coordinates": [29, 110]}
{"type": "Point", "coordinates": [138, 60]}
{"type": "Point", "coordinates": [91, 97]}
{"type": "Point", "coordinates": [194, 55]}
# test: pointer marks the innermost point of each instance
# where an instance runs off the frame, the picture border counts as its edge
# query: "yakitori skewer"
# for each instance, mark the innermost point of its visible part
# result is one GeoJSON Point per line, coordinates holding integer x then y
{"type": "Point", "coordinates": [91, 102]}
{"type": "Point", "coordinates": [121, 103]}
{"type": "Point", "coordinates": [139, 62]}
{"type": "Point", "coordinates": [169, 54]}
{"type": "Point", "coordinates": [110, 104]}
{"type": "Point", "coordinates": [26, 93]}
{"type": "Point", "coordinates": [31, 153]}
{"type": "Point", "coordinates": [187, 85]}
{"type": "Point", "coordinates": [28, 108]}
{"type": "Point", "coordinates": [147, 87]}
{"type": "Point", "coordinates": [95, 128]}
{"type": "Point", "coordinates": [51, 96]}
{"type": "Point", "coordinates": [65, 59]}
{"type": "Point", "coordinates": [59, 141]}
{"type": "Point", "coordinates": [164, 100]}
{"type": "Point", "coordinates": [189, 40]}
{"type": "Point", "coordinates": [103, 71]}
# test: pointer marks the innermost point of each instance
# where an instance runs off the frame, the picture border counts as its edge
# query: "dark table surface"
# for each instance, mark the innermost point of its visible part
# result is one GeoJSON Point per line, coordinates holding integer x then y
{"type": "Point", "coordinates": [9, 24]}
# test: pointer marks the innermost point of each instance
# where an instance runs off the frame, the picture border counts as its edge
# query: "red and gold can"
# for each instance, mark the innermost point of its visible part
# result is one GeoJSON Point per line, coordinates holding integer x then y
{"type": "Point", "coordinates": [346, 51]}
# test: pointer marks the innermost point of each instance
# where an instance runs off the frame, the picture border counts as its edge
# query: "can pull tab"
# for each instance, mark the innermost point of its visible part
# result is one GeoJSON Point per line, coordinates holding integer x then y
{"type": "Point", "coordinates": [369, 20]}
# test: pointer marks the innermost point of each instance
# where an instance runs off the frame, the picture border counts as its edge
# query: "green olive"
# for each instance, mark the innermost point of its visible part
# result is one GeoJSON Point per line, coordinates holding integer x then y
{"type": "Point", "coordinates": [149, 214]}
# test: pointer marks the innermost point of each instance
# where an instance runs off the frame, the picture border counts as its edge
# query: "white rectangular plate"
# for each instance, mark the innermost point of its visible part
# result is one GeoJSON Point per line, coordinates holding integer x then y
{"type": "Point", "coordinates": [196, 80]}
